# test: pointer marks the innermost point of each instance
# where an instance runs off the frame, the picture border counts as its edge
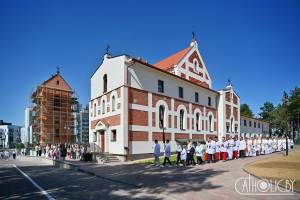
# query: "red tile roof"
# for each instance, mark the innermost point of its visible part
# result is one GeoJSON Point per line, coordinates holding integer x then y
{"type": "Point", "coordinates": [172, 60]}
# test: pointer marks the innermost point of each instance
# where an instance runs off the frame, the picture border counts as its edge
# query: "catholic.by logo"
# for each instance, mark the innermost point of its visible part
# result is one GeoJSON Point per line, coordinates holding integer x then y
{"type": "Point", "coordinates": [252, 186]}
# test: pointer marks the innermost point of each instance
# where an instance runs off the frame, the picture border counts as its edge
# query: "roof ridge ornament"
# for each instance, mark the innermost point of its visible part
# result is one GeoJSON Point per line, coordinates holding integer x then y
{"type": "Point", "coordinates": [107, 52]}
{"type": "Point", "coordinates": [57, 70]}
{"type": "Point", "coordinates": [229, 84]}
{"type": "Point", "coordinates": [107, 49]}
{"type": "Point", "coordinates": [194, 40]}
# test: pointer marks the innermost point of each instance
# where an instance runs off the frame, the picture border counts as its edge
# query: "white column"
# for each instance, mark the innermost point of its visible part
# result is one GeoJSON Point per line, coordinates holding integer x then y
{"type": "Point", "coordinates": [190, 120]}
{"type": "Point", "coordinates": [172, 120]}
{"type": "Point", "coordinates": [150, 116]}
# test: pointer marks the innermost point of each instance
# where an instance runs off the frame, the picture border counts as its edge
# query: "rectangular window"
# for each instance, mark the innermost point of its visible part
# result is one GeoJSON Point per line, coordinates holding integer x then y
{"type": "Point", "coordinates": [196, 97]}
{"type": "Point", "coordinates": [258, 125]}
{"type": "Point", "coordinates": [245, 122]}
{"type": "Point", "coordinates": [209, 101]}
{"type": "Point", "coordinates": [160, 85]}
{"type": "Point", "coordinates": [180, 91]}
{"type": "Point", "coordinates": [113, 137]}
{"type": "Point", "coordinates": [254, 124]}
{"type": "Point", "coordinates": [250, 123]}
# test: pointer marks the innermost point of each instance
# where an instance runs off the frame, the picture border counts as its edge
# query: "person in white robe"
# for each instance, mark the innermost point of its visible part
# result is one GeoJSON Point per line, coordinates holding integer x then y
{"type": "Point", "coordinates": [235, 148]}
{"type": "Point", "coordinates": [264, 146]}
{"type": "Point", "coordinates": [242, 147]}
{"type": "Point", "coordinates": [211, 150]}
{"type": "Point", "coordinates": [249, 146]}
{"type": "Point", "coordinates": [274, 145]}
{"type": "Point", "coordinates": [258, 146]}
{"type": "Point", "coordinates": [254, 145]}
{"type": "Point", "coordinates": [230, 148]}
{"type": "Point", "coordinates": [199, 152]}
{"type": "Point", "coordinates": [223, 149]}
{"type": "Point", "coordinates": [218, 146]}
{"type": "Point", "coordinates": [183, 155]}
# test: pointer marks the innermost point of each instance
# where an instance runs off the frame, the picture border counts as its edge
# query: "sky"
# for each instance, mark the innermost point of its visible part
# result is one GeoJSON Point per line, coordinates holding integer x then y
{"type": "Point", "coordinates": [254, 43]}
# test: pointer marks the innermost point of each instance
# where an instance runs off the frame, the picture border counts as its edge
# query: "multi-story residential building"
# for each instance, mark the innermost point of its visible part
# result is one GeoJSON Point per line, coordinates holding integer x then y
{"type": "Point", "coordinates": [52, 121]}
{"type": "Point", "coordinates": [251, 127]}
{"type": "Point", "coordinates": [81, 124]}
{"type": "Point", "coordinates": [9, 135]}
{"type": "Point", "coordinates": [134, 103]}
{"type": "Point", "coordinates": [28, 135]}
{"type": "Point", "coordinates": [84, 118]}
{"type": "Point", "coordinates": [23, 135]}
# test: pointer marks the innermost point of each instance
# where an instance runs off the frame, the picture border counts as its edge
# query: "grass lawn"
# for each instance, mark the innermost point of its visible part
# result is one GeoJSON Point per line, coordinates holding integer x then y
{"type": "Point", "coordinates": [278, 167]}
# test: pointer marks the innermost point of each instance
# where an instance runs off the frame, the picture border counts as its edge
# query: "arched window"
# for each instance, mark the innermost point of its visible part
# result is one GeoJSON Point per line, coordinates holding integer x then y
{"type": "Point", "coordinates": [210, 122]}
{"type": "Point", "coordinates": [181, 119]}
{"type": "Point", "coordinates": [105, 83]}
{"type": "Point", "coordinates": [113, 103]}
{"type": "Point", "coordinates": [95, 109]}
{"type": "Point", "coordinates": [196, 65]}
{"type": "Point", "coordinates": [198, 122]}
{"type": "Point", "coordinates": [103, 106]}
{"type": "Point", "coordinates": [162, 120]}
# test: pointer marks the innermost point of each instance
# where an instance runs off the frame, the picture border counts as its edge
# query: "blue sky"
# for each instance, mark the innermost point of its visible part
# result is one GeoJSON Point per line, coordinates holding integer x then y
{"type": "Point", "coordinates": [254, 43]}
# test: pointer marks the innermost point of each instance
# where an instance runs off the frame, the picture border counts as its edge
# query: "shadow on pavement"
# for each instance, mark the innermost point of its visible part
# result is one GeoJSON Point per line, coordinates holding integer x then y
{"type": "Point", "coordinates": [134, 181]}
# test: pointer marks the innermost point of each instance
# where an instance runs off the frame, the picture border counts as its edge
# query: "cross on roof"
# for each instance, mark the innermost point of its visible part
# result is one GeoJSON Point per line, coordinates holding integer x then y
{"type": "Point", "coordinates": [107, 49]}
{"type": "Point", "coordinates": [193, 35]}
{"type": "Point", "coordinates": [229, 81]}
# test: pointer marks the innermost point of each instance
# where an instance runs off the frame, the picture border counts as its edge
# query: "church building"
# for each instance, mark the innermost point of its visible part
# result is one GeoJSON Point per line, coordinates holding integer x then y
{"type": "Point", "coordinates": [134, 103]}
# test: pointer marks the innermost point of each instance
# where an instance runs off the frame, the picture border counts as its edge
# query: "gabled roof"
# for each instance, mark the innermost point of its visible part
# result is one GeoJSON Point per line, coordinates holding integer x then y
{"type": "Point", "coordinates": [173, 75]}
{"type": "Point", "coordinates": [51, 82]}
{"type": "Point", "coordinates": [172, 60]}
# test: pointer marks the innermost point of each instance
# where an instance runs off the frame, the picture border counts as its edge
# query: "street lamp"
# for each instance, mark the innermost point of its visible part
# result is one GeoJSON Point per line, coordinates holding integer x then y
{"type": "Point", "coordinates": [161, 118]}
{"type": "Point", "coordinates": [287, 128]}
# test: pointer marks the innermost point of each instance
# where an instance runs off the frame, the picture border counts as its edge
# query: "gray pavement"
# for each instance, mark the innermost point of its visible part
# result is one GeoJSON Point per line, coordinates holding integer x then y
{"type": "Point", "coordinates": [131, 181]}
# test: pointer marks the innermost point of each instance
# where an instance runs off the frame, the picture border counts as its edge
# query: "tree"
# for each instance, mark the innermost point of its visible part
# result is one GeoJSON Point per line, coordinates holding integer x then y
{"type": "Point", "coordinates": [294, 110]}
{"type": "Point", "coordinates": [245, 110]}
{"type": "Point", "coordinates": [267, 114]}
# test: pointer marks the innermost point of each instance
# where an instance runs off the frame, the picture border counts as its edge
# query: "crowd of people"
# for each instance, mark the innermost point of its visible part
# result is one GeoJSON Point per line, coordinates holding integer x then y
{"type": "Point", "coordinates": [65, 151]}
{"type": "Point", "coordinates": [6, 155]}
{"type": "Point", "coordinates": [214, 150]}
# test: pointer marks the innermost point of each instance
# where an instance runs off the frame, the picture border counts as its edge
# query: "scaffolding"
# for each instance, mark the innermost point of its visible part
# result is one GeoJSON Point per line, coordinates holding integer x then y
{"type": "Point", "coordinates": [53, 119]}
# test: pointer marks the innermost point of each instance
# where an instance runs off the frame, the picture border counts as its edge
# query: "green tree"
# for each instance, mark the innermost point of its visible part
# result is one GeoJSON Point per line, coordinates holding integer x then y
{"type": "Point", "coordinates": [267, 114]}
{"type": "Point", "coordinates": [294, 110]}
{"type": "Point", "coordinates": [282, 115]}
{"type": "Point", "coordinates": [245, 110]}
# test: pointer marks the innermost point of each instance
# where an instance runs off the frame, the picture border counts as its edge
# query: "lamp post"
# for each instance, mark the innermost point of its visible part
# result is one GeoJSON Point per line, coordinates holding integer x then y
{"type": "Point", "coordinates": [161, 120]}
{"type": "Point", "coordinates": [287, 129]}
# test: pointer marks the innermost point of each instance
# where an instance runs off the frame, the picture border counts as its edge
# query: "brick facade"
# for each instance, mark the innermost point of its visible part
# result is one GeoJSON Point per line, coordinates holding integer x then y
{"type": "Point", "coordinates": [137, 117]}
{"type": "Point", "coordinates": [138, 136]}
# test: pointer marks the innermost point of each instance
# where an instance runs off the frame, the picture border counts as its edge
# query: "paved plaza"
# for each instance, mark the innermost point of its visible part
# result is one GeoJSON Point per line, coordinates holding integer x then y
{"type": "Point", "coordinates": [124, 181]}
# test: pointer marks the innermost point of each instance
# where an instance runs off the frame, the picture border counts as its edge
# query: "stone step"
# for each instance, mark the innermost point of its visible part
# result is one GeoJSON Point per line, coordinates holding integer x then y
{"type": "Point", "coordinates": [108, 158]}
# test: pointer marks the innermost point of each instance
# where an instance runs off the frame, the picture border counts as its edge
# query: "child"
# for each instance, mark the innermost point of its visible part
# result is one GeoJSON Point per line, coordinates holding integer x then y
{"type": "Point", "coordinates": [183, 156]}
